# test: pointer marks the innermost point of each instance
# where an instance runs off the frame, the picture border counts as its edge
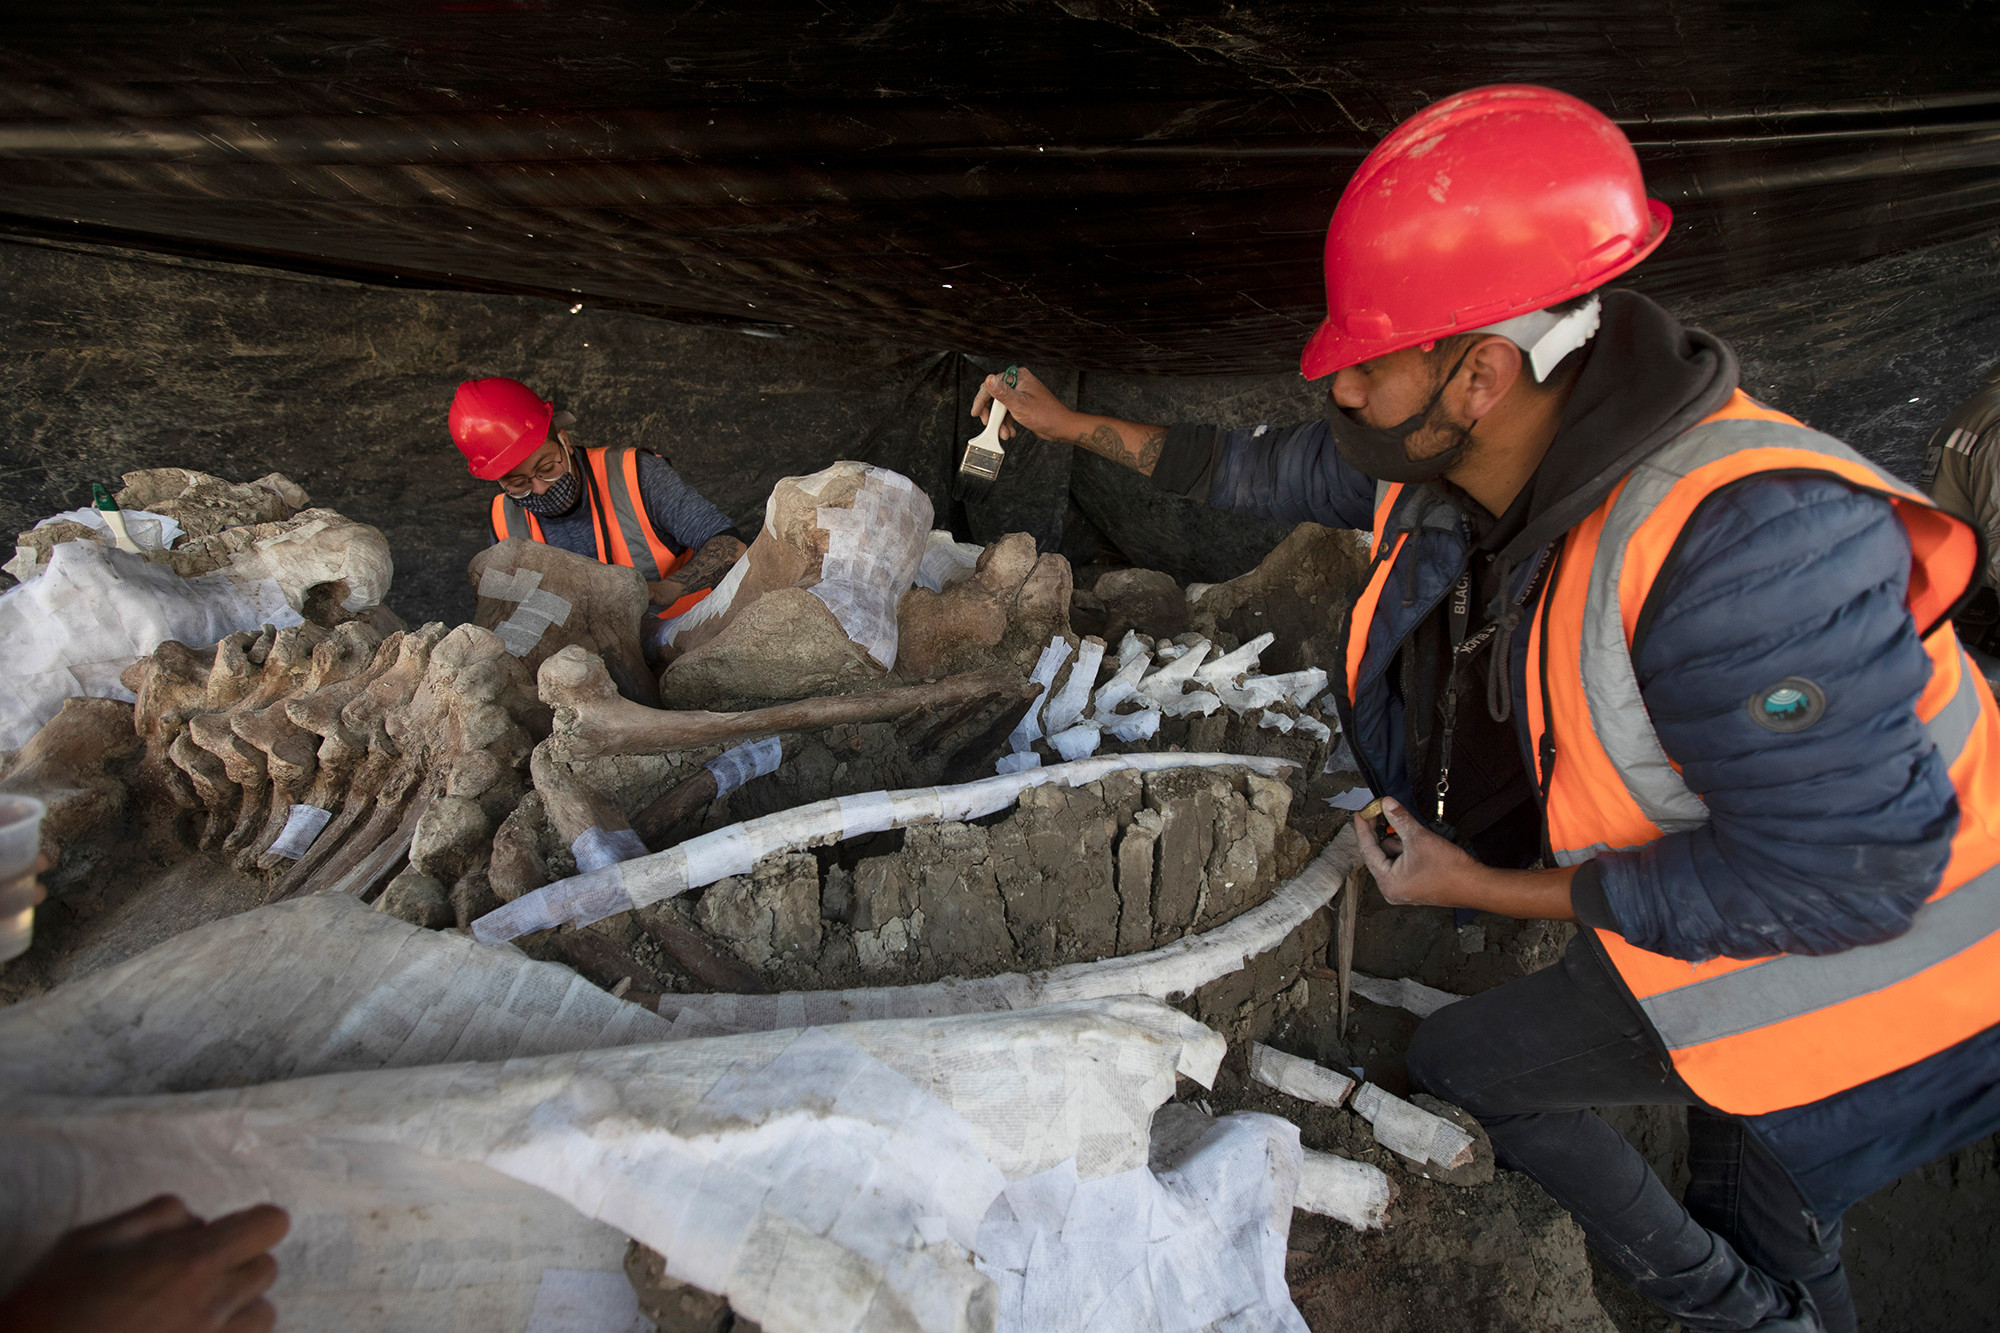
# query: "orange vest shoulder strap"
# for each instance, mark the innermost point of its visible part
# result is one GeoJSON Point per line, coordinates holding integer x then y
{"type": "Point", "coordinates": [510, 520]}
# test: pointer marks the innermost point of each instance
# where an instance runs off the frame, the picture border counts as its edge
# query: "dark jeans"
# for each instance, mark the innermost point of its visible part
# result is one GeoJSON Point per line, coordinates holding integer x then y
{"type": "Point", "coordinates": [1530, 1058]}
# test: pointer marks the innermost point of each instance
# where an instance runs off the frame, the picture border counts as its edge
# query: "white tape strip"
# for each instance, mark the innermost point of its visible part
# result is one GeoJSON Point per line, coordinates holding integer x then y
{"type": "Point", "coordinates": [302, 825]}
{"type": "Point", "coordinates": [734, 767]}
{"type": "Point", "coordinates": [545, 604]}
{"type": "Point", "coordinates": [870, 812]}
{"type": "Point", "coordinates": [595, 848]}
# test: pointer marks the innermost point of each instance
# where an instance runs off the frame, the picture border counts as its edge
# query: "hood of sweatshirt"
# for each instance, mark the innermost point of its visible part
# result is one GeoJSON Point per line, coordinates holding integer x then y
{"type": "Point", "coordinates": [1646, 378]}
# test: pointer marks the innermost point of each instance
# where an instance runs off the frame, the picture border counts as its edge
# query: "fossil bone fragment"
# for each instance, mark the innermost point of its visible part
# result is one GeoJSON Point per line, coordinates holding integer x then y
{"type": "Point", "coordinates": [1307, 1080]}
{"type": "Point", "coordinates": [737, 849]}
{"type": "Point", "coordinates": [291, 752]}
{"type": "Point", "coordinates": [283, 669]}
{"type": "Point", "coordinates": [1004, 610]}
{"type": "Point", "coordinates": [1412, 1132]}
{"type": "Point", "coordinates": [76, 766]}
{"type": "Point", "coordinates": [1347, 1191]}
{"type": "Point", "coordinates": [592, 720]}
{"type": "Point", "coordinates": [1066, 705]}
{"type": "Point", "coordinates": [541, 599]}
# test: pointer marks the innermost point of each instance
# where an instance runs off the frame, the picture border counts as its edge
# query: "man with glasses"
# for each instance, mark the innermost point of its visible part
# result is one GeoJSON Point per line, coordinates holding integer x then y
{"type": "Point", "coordinates": [619, 505]}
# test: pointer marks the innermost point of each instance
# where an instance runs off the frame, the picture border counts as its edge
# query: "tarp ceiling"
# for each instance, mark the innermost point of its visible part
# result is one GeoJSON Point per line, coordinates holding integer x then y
{"type": "Point", "coordinates": [1129, 185]}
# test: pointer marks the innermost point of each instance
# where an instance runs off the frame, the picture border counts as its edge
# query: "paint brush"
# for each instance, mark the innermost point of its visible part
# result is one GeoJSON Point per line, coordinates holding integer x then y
{"type": "Point", "coordinates": [983, 454]}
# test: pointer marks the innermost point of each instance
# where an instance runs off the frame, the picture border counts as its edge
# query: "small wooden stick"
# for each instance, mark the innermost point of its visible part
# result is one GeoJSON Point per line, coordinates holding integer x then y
{"type": "Point", "coordinates": [1350, 913]}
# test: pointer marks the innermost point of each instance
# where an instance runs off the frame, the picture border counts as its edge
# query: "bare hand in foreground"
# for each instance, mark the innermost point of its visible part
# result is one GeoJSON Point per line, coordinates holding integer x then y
{"type": "Point", "coordinates": [154, 1269]}
{"type": "Point", "coordinates": [1028, 403]}
{"type": "Point", "coordinates": [1426, 870]}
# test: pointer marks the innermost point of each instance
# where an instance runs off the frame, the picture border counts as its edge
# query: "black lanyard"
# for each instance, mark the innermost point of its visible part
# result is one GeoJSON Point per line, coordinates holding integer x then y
{"type": "Point", "coordinates": [1458, 619]}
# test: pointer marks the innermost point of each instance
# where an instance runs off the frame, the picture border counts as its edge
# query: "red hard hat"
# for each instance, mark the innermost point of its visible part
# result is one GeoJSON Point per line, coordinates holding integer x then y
{"type": "Point", "coordinates": [1492, 203]}
{"type": "Point", "coordinates": [496, 423]}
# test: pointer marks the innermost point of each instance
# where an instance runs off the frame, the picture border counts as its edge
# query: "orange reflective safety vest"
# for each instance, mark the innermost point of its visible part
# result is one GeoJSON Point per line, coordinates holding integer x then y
{"type": "Point", "coordinates": [1761, 1034]}
{"type": "Point", "coordinates": [628, 539]}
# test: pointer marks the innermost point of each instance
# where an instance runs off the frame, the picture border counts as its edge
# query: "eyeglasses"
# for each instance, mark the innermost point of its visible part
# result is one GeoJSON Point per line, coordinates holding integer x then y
{"type": "Point", "coordinates": [549, 469]}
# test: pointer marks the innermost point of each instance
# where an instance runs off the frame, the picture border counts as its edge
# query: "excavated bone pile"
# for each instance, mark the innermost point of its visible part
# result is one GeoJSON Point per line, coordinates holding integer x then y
{"type": "Point", "coordinates": [847, 584]}
{"type": "Point", "coordinates": [325, 757]}
{"type": "Point", "coordinates": [326, 565]}
{"type": "Point", "coordinates": [1153, 681]}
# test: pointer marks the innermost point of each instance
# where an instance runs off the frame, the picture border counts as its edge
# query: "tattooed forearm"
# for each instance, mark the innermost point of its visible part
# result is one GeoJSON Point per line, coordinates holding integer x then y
{"type": "Point", "coordinates": [706, 567]}
{"type": "Point", "coordinates": [1137, 447]}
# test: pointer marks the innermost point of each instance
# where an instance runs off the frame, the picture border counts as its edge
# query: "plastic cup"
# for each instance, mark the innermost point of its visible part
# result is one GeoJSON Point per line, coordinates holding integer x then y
{"type": "Point", "coordinates": [20, 841]}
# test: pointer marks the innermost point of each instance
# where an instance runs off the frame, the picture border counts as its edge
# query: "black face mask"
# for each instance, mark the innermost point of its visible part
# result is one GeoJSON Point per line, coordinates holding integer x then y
{"type": "Point", "coordinates": [1381, 452]}
{"type": "Point", "coordinates": [558, 499]}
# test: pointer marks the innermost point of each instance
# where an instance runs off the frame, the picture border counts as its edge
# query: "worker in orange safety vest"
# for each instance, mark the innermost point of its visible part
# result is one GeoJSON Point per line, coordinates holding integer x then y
{"type": "Point", "coordinates": [1639, 652]}
{"type": "Point", "coordinates": [619, 505]}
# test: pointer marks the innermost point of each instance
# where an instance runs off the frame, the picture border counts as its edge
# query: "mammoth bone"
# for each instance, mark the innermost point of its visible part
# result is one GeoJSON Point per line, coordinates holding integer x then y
{"type": "Point", "coordinates": [593, 720]}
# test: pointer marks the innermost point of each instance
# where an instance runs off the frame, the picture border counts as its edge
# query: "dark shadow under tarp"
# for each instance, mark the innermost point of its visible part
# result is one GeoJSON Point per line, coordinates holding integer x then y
{"type": "Point", "coordinates": [1138, 188]}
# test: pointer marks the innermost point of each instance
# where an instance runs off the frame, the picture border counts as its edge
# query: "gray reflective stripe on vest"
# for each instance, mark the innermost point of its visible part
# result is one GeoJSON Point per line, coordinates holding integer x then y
{"type": "Point", "coordinates": [1610, 686]}
{"type": "Point", "coordinates": [517, 519]}
{"type": "Point", "coordinates": [631, 525]}
{"type": "Point", "coordinates": [1794, 984]}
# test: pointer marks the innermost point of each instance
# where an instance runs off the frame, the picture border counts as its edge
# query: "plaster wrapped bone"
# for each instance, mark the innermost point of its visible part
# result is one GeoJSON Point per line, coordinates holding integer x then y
{"type": "Point", "coordinates": [1066, 705]}
{"type": "Point", "coordinates": [1347, 1191]}
{"type": "Point", "coordinates": [1029, 729]}
{"type": "Point", "coordinates": [1232, 666]}
{"type": "Point", "coordinates": [1307, 1080]}
{"type": "Point", "coordinates": [815, 608]}
{"type": "Point", "coordinates": [1168, 682]}
{"type": "Point", "coordinates": [94, 612]}
{"type": "Point", "coordinates": [1412, 1132]}
{"type": "Point", "coordinates": [831, 1180]}
{"type": "Point", "coordinates": [737, 849]}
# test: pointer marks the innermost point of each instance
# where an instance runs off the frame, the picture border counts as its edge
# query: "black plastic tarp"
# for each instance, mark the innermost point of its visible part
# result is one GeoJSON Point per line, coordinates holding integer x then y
{"type": "Point", "coordinates": [1139, 186]}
